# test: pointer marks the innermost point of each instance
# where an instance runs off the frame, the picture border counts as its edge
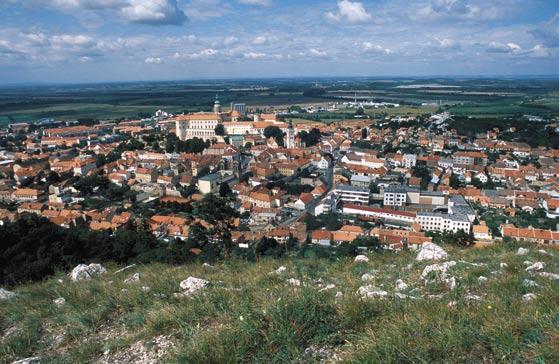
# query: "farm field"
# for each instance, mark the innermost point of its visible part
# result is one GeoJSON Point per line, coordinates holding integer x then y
{"type": "Point", "coordinates": [462, 97]}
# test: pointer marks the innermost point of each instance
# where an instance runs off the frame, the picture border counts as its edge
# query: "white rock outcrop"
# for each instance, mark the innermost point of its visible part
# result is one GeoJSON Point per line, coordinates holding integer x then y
{"type": "Point", "coordinates": [361, 259]}
{"type": "Point", "coordinates": [280, 270]}
{"type": "Point", "coordinates": [6, 295]}
{"type": "Point", "coordinates": [294, 282]}
{"type": "Point", "coordinates": [482, 279]}
{"type": "Point", "coordinates": [503, 265]}
{"type": "Point", "coordinates": [549, 275]}
{"type": "Point", "coordinates": [431, 251]}
{"type": "Point", "coordinates": [536, 266]}
{"type": "Point", "coordinates": [328, 287]}
{"type": "Point", "coordinates": [192, 285]}
{"type": "Point", "coordinates": [86, 272]}
{"type": "Point", "coordinates": [134, 278]}
{"type": "Point", "coordinates": [60, 301]}
{"type": "Point", "coordinates": [31, 360]}
{"type": "Point", "coordinates": [371, 292]}
{"type": "Point", "coordinates": [442, 268]}
{"type": "Point", "coordinates": [401, 285]}
{"type": "Point", "coordinates": [529, 283]}
{"type": "Point", "coordinates": [450, 283]}
{"type": "Point", "coordinates": [528, 297]}
{"type": "Point", "coordinates": [367, 277]}
{"type": "Point", "coordinates": [522, 251]}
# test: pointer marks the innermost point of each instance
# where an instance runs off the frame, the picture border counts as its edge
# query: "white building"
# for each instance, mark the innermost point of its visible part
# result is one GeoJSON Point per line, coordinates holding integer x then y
{"type": "Point", "coordinates": [198, 125]}
{"type": "Point", "coordinates": [436, 221]}
{"type": "Point", "coordinates": [409, 160]}
{"type": "Point", "coordinates": [353, 194]}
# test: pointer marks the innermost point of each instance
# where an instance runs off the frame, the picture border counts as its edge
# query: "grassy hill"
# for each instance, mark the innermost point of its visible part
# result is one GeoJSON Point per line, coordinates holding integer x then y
{"type": "Point", "coordinates": [248, 314]}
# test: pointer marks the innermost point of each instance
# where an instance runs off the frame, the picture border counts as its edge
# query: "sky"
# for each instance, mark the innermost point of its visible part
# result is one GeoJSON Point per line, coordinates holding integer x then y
{"type": "Point", "coordinates": [73, 41]}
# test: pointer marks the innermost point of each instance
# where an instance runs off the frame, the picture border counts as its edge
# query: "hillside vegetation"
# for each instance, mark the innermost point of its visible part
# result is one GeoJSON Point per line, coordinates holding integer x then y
{"type": "Point", "coordinates": [309, 312]}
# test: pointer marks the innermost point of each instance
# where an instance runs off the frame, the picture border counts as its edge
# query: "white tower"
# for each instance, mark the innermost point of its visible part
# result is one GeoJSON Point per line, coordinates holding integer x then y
{"type": "Point", "coordinates": [290, 137]}
{"type": "Point", "coordinates": [217, 105]}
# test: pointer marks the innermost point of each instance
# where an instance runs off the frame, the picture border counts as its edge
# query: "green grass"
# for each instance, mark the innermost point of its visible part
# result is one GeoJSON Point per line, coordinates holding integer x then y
{"type": "Point", "coordinates": [249, 315]}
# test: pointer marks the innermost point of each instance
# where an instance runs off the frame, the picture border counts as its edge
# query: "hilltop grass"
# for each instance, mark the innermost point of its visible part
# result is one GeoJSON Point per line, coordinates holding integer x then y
{"type": "Point", "coordinates": [249, 315]}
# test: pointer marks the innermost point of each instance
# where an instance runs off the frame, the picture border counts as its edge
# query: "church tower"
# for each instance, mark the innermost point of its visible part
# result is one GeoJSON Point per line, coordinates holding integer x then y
{"type": "Point", "coordinates": [290, 136]}
{"type": "Point", "coordinates": [217, 105]}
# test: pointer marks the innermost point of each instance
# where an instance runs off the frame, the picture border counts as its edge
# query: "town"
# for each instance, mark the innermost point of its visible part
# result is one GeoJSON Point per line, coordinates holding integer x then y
{"type": "Point", "coordinates": [392, 183]}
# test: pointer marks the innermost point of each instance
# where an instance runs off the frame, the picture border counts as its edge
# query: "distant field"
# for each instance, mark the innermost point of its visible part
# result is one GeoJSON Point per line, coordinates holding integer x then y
{"type": "Point", "coordinates": [466, 97]}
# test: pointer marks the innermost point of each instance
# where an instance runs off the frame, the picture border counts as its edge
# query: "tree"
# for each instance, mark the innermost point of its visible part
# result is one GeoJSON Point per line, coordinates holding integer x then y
{"type": "Point", "coordinates": [364, 133]}
{"type": "Point", "coordinates": [455, 181]}
{"type": "Point", "coordinates": [310, 138]}
{"type": "Point", "coordinates": [273, 131]}
{"type": "Point", "coordinates": [224, 189]}
{"type": "Point", "coordinates": [314, 92]}
{"type": "Point", "coordinates": [219, 129]}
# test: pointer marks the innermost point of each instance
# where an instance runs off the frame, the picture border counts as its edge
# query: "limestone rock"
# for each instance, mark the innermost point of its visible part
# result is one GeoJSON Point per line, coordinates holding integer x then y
{"type": "Point", "coordinates": [401, 285]}
{"type": "Point", "coordinates": [529, 283]}
{"type": "Point", "coordinates": [361, 259]}
{"type": "Point", "coordinates": [280, 270]}
{"type": "Point", "coordinates": [192, 285]}
{"type": "Point", "coordinates": [134, 278]}
{"type": "Point", "coordinates": [431, 251]}
{"type": "Point", "coordinates": [294, 282]}
{"type": "Point", "coordinates": [528, 297]}
{"type": "Point", "coordinates": [328, 287]}
{"type": "Point", "coordinates": [450, 283]}
{"type": "Point", "coordinates": [367, 277]}
{"type": "Point", "coordinates": [31, 360]}
{"type": "Point", "coordinates": [522, 251]}
{"type": "Point", "coordinates": [536, 266]}
{"type": "Point", "coordinates": [371, 292]}
{"type": "Point", "coordinates": [60, 301]}
{"type": "Point", "coordinates": [549, 275]}
{"type": "Point", "coordinates": [86, 272]}
{"type": "Point", "coordinates": [438, 267]}
{"type": "Point", "coordinates": [482, 279]}
{"type": "Point", "coordinates": [6, 295]}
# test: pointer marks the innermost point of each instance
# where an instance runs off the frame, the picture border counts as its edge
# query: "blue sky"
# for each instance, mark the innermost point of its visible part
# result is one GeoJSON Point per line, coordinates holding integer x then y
{"type": "Point", "coordinates": [64, 41]}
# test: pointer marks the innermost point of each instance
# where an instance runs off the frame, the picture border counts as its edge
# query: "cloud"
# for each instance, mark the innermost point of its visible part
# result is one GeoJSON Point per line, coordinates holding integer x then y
{"type": "Point", "coordinates": [510, 47]}
{"type": "Point", "coordinates": [447, 43]}
{"type": "Point", "coordinates": [317, 53]}
{"type": "Point", "coordinates": [230, 40]}
{"type": "Point", "coordinates": [375, 48]}
{"type": "Point", "coordinates": [204, 54]}
{"type": "Point", "coordinates": [467, 10]}
{"type": "Point", "coordinates": [254, 55]}
{"type": "Point", "coordinates": [153, 60]}
{"type": "Point", "coordinates": [73, 41]}
{"type": "Point", "coordinates": [540, 50]}
{"type": "Point", "coordinates": [548, 32]}
{"type": "Point", "coordinates": [260, 40]}
{"type": "Point", "coordinates": [351, 12]}
{"type": "Point", "coordinates": [255, 2]}
{"type": "Point", "coordinates": [152, 12]}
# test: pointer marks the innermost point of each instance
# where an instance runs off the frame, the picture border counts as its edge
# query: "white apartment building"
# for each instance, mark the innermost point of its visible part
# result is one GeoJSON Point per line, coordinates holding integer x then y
{"type": "Point", "coordinates": [353, 194]}
{"type": "Point", "coordinates": [436, 221]}
{"type": "Point", "coordinates": [409, 160]}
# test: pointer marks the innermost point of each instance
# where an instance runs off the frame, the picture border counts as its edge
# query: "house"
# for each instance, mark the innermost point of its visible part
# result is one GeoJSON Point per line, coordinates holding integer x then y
{"type": "Point", "coordinates": [321, 237]}
{"type": "Point", "coordinates": [304, 201]}
{"type": "Point", "coordinates": [538, 236]}
{"type": "Point", "coordinates": [25, 194]}
{"type": "Point", "coordinates": [481, 231]}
